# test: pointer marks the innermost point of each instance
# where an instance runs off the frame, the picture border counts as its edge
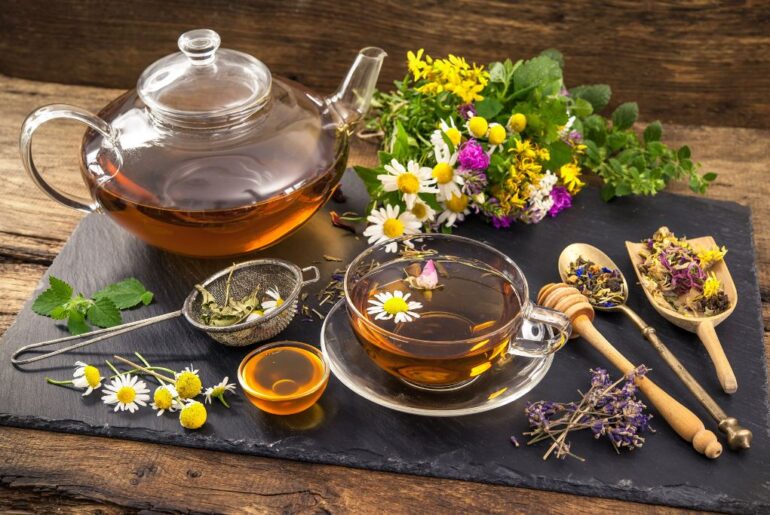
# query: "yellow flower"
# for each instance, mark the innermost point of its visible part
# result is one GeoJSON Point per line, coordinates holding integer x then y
{"type": "Point", "coordinates": [416, 65]}
{"type": "Point", "coordinates": [478, 126]}
{"type": "Point", "coordinates": [517, 122]}
{"type": "Point", "coordinates": [708, 258]}
{"type": "Point", "coordinates": [497, 134]}
{"type": "Point", "coordinates": [187, 383]}
{"type": "Point", "coordinates": [570, 174]}
{"type": "Point", "coordinates": [452, 74]}
{"type": "Point", "coordinates": [711, 286]}
{"type": "Point", "coordinates": [193, 415]}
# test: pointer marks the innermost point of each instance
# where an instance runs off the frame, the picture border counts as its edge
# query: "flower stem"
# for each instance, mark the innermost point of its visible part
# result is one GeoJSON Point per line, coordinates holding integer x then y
{"type": "Point", "coordinates": [144, 369]}
{"type": "Point", "coordinates": [58, 383]}
{"type": "Point", "coordinates": [223, 401]}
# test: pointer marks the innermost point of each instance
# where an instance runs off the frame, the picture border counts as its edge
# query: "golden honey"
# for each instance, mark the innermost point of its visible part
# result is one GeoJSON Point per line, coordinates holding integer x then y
{"type": "Point", "coordinates": [284, 378]}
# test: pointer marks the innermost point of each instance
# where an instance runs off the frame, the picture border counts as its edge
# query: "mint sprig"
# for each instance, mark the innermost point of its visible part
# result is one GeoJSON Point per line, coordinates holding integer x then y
{"type": "Point", "coordinates": [101, 310]}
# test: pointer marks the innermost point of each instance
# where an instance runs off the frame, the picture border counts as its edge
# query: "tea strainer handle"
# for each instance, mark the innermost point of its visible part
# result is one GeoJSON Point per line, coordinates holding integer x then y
{"type": "Point", "coordinates": [543, 331]}
{"type": "Point", "coordinates": [46, 114]}
{"type": "Point", "coordinates": [314, 278]}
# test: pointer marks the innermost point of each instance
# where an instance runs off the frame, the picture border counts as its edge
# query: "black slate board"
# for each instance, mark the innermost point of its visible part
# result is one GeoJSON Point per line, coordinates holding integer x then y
{"type": "Point", "coordinates": [354, 432]}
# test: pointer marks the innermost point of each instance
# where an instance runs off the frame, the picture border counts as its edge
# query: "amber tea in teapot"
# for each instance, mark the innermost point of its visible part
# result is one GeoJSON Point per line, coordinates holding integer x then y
{"type": "Point", "coordinates": [211, 155]}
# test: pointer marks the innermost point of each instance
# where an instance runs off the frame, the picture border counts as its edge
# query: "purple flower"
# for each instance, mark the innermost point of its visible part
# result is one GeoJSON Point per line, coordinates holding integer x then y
{"type": "Point", "coordinates": [501, 222]}
{"type": "Point", "coordinates": [472, 156]}
{"type": "Point", "coordinates": [467, 111]}
{"type": "Point", "coordinates": [564, 92]}
{"type": "Point", "coordinates": [561, 200]}
{"type": "Point", "coordinates": [475, 181]}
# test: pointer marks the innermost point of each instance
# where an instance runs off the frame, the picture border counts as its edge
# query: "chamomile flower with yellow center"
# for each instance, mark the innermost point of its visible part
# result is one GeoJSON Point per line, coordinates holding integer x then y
{"type": "Point", "coordinates": [218, 391]}
{"type": "Point", "coordinates": [409, 181]}
{"type": "Point", "coordinates": [187, 383]}
{"type": "Point", "coordinates": [86, 377]}
{"type": "Point", "coordinates": [423, 212]}
{"type": "Point", "coordinates": [497, 134]}
{"type": "Point", "coordinates": [275, 302]}
{"type": "Point", "coordinates": [165, 399]}
{"type": "Point", "coordinates": [455, 208]}
{"type": "Point", "coordinates": [193, 415]}
{"type": "Point", "coordinates": [387, 224]}
{"type": "Point", "coordinates": [394, 305]}
{"type": "Point", "coordinates": [477, 126]}
{"type": "Point", "coordinates": [711, 286]}
{"type": "Point", "coordinates": [451, 131]}
{"type": "Point", "coordinates": [127, 393]}
{"type": "Point", "coordinates": [517, 122]}
{"type": "Point", "coordinates": [448, 181]}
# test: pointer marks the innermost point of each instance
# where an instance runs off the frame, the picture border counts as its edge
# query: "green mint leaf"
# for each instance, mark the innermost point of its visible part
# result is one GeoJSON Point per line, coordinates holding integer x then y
{"type": "Point", "coordinates": [58, 294]}
{"type": "Point", "coordinates": [598, 95]}
{"type": "Point", "coordinates": [369, 177]}
{"type": "Point", "coordinates": [488, 108]}
{"type": "Point", "coordinates": [400, 143]}
{"type": "Point", "coordinates": [147, 297]}
{"type": "Point", "coordinates": [497, 72]}
{"type": "Point", "coordinates": [59, 313]}
{"type": "Point", "coordinates": [76, 323]}
{"type": "Point", "coordinates": [104, 313]}
{"type": "Point", "coordinates": [561, 154]}
{"type": "Point", "coordinates": [555, 55]}
{"type": "Point", "coordinates": [124, 294]}
{"type": "Point", "coordinates": [653, 132]}
{"type": "Point", "coordinates": [625, 115]}
{"type": "Point", "coordinates": [683, 153]}
{"type": "Point", "coordinates": [582, 108]}
{"type": "Point", "coordinates": [595, 129]}
{"type": "Point", "coordinates": [608, 192]}
{"type": "Point", "coordinates": [540, 71]}
{"type": "Point", "coordinates": [710, 177]}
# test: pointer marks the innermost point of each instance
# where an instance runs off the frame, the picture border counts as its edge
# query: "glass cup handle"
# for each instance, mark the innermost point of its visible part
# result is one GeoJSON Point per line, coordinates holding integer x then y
{"type": "Point", "coordinates": [46, 114]}
{"type": "Point", "coordinates": [543, 331]}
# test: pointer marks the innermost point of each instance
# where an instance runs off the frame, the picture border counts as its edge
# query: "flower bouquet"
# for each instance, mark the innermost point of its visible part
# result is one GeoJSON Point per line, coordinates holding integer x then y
{"type": "Point", "coordinates": [507, 142]}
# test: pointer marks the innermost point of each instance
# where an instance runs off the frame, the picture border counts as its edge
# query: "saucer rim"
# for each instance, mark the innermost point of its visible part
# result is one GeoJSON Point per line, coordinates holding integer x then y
{"type": "Point", "coordinates": [438, 412]}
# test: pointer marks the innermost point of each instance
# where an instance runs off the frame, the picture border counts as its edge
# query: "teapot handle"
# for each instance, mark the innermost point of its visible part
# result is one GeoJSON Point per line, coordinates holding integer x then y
{"type": "Point", "coordinates": [38, 118]}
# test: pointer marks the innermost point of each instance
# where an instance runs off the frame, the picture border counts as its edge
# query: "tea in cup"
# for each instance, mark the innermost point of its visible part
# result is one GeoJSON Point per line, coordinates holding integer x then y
{"type": "Point", "coordinates": [439, 315]}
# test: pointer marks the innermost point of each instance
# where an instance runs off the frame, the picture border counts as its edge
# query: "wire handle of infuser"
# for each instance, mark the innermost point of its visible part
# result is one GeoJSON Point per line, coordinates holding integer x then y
{"type": "Point", "coordinates": [97, 336]}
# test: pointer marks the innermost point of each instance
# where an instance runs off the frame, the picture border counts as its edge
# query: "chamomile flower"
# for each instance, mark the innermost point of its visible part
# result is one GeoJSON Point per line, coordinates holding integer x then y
{"type": "Point", "coordinates": [477, 126]}
{"type": "Point", "coordinates": [126, 392]}
{"type": "Point", "coordinates": [454, 209]}
{"type": "Point", "coordinates": [451, 131]}
{"type": "Point", "coordinates": [218, 391]}
{"type": "Point", "coordinates": [187, 383]}
{"type": "Point", "coordinates": [448, 181]}
{"type": "Point", "coordinates": [86, 377]}
{"type": "Point", "coordinates": [409, 181]}
{"type": "Point", "coordinates": [387, 224]}
{"type": "Point", "coordinates": [193, 415]}
{"type": "Point", "coordinates": [423, 212]}
{"type": "Point", "coordinates": [517, 122]}
{"type": "Point", "coordinates": [496, 137]}
{"type": "Point", "coordinates": [276, 302]}
{"type": "Point", "coordinates": [165, 399]}
{"type": "Point", "coordinates": [394, 304]}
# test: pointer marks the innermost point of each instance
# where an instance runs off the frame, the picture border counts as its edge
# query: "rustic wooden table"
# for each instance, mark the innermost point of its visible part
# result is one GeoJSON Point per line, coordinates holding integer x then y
{"type": "Point", "coordinates": [42, 471]}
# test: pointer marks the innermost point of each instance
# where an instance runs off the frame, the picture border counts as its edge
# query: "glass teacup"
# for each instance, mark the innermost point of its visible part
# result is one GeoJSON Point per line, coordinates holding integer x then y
{"type": "Point", "coordinates": [441, 331]}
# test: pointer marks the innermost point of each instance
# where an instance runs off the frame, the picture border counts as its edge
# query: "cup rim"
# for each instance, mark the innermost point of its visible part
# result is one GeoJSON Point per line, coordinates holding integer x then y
{"type": "Point", "coordinates": [523, 300]}
{"type": "Point", "coordinates": [284, 343]}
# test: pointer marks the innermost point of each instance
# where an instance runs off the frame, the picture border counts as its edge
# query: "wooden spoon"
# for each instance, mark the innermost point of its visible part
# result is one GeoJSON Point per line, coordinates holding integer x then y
{"type": "Point", "coordinates": [570, 301]}
{"type": "Point", "coordinates": [702, 326]}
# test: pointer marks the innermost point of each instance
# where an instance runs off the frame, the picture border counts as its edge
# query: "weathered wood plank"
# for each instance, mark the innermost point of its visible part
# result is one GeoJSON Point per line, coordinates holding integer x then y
{"type": "Point", "coordinates": [697, 62]}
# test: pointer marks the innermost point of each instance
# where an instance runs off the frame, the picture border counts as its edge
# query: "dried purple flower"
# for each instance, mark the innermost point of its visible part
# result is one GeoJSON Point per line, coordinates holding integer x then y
{"type": "Point", "coordinates": [472, 156]}
{"type": "Point", "coordinates": [467, 111]}
{"type": "Point", "coordinates": [561, 200]}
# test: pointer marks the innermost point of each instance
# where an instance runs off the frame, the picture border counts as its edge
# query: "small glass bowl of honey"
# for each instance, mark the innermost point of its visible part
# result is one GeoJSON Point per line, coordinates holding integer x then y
{"type": "Point", "coordinates": [284, 377]}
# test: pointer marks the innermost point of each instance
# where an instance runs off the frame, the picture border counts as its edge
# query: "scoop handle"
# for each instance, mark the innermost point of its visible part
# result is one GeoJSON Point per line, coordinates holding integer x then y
{"type": "Point", "coordinates": [708, 335]}
{"type": "Point", "coordinates": [679, 417]}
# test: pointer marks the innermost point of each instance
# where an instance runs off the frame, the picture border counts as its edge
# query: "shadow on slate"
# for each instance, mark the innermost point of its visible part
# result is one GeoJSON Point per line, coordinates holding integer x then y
{"type": "Point", "coordinates": [353, 432]}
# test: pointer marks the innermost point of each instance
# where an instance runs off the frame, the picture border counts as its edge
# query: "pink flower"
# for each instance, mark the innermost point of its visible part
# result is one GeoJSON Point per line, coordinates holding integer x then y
{"type": "Point", "coordinates": [428, 278]}
{"type": "Point", "coordinates": [472, 156]}
{"type": "Point", "coordinates": [561, 200]}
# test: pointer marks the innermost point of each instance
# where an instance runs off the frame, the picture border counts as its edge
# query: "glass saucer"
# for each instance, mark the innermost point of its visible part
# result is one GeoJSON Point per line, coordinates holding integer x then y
{"type": "Point", "coordinates": [503, 384]}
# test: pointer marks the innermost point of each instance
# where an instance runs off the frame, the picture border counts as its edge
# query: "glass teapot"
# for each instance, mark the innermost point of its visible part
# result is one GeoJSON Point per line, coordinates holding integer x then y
{"type": "Point", "coordinates": [211, 155]}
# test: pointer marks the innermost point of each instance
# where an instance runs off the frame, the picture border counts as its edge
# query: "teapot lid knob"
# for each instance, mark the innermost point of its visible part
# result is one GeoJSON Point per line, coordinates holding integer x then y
{"type": "Point", "coordinates": [199, 45]}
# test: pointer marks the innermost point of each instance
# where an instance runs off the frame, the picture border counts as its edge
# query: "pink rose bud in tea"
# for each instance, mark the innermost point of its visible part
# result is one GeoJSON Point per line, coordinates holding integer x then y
{"type": "Point", "coordinates": [428, 278]}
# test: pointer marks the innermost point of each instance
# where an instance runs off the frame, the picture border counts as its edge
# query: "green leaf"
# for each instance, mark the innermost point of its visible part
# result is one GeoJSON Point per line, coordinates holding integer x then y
{"type": "Point", "coordinates": [59, 313]}
{"type": "Point", "coordinates": [104, 313]}
{"type": "Point", "coordinates": [59, 293]}
{"type": "Point", "coordinates": [683, 153]}
{"type": "Point", "coordinates": [625, 115]}
{"type": "Point", "coordinates": [710, 177]}
{"type": "Point", "coordinates": [369, 178]}
{"type": "Point", "coordinates": [400, 143]}
{"type": "Point", "coordinates": [595, 129]}
{"type": "Point", "coordinates": [582, 108]}
{"type": "Point", "coordinates": [540, 71]}
{"type": "Point", "coordinates": [488, 108]}
{"type": "Point", "coordinates": [561, 154]}
{"type": "Point", "coordinates": [653, 132]}
{"type": "Point", "coordinates": [555, 55]}
{"type": "Point", "coordinates": [608, 192]}
{"type": "Point", "coordinates": [598, 95]}
{"type": "Point", "coordinates": [76, 323]}
{"type": "Point", "coordinates": [126, 294]}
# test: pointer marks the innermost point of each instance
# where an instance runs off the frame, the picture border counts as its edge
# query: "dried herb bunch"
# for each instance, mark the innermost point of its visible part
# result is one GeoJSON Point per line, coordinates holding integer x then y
{"type": "Point", "coordinates": [609, 409]}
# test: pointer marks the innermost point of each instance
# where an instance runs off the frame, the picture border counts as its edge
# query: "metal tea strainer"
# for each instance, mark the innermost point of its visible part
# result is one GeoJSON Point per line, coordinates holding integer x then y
{"type": "Point", "coordinates": [281, 275]}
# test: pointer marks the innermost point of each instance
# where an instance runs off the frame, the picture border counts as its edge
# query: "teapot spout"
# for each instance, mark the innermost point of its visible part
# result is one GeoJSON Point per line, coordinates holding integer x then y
{"type": "Point", "coordinates": [351, 101]}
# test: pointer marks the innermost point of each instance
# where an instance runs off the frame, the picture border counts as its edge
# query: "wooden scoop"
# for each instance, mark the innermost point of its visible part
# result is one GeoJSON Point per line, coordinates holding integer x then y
{"type": "Point", "coordinates": [702, 326]}
{"type": "Point", "coordinates": [686, 424]}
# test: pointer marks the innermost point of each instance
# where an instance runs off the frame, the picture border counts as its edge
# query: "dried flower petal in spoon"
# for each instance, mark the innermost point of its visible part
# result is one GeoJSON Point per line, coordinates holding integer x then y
{"type": "Point", "coordinates": [602, 286]}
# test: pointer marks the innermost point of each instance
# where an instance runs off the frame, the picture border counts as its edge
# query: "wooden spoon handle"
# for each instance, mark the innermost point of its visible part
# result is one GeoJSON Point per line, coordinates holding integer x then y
{"type": "Point", "coordinates": [682, 420]}
{"type": "Point", "coordinates": [708, 336]}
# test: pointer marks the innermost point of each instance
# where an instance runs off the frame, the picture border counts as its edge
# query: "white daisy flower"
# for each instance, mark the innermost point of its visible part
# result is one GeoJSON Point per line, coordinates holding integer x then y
{"type": "Point", "coordinates": [86, 377]}
{"type": "Point", "coordinates": [387, 224]}
{"type": "Point", "coordinates": [126, 392]}
{"type": "Point", "coordinates": [454, 209]}
{"type": "Point", "coordinates": [218, 391]}
{"type": "Point", "coordinates": [394, 304]}
{"type": "Point", "coordinates": [409, 181]}
{"type": "Point", "coordinates": [451, 131]}
{"type": "Point", "coordinates": [165, 399]}
{"type": "Point", "coordinates": [271, 305]}
{"type": "Point", "coordinates": [448, 181]}
{"type": "Point", "coordinates": [423, 212]}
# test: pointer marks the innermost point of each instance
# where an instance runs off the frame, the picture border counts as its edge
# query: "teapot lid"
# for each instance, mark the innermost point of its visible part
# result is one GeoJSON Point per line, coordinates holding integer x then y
{"type": "Point", "coordinates": [204, 86]}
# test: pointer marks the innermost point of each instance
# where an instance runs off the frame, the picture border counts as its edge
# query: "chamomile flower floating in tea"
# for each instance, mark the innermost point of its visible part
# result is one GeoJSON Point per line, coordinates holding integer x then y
{"type": "Point", "coordinates": [276, 301]}
{"type": "Point", "coordinates": [387, 224]}
{"type": "Point", "coordinates": [602, 286]}
{"type": "Point", "coordinates": [218, 391]}
{"type": "Point", "coordinates": [394, 305]}
{"type": "Point", "coordinates": [188, 383]}
{"type": "Point", "coordinates": [86, 377]}
{"type": "Point", "coordinates": [409, 181]}
{"type": "Point", "coordinates": [165, 399]}
{"type": "Point", "coordinates": [127, 393]}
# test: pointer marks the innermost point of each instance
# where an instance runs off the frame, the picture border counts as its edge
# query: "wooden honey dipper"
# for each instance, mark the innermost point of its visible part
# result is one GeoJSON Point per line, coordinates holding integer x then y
{"type": "Point", "coordinates": [565, 298]}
